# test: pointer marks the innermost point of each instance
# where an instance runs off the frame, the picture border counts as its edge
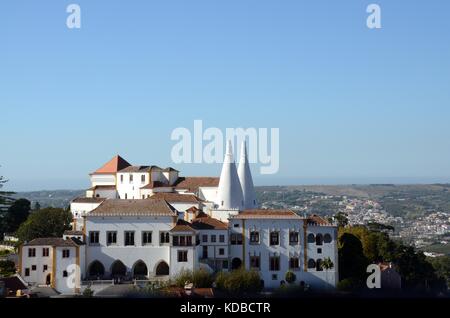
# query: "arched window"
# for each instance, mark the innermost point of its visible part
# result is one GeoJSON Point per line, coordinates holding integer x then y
{"type": "Point", "coordinates": [162, 269]}
{"type": "Point", "coordinates": [118, 269]}
{"type": "Point", "coordinates": [311, 238]}
{"type": "Point", "coordinates": [96, 269]}
{"type": "Point", "coordinates": [140, 270]}
{"type": "Point", "coordinates": [319, 239]}
{"type": "Point", "coordinates": [311, 263]}
{"type": "Point", "coordinates": [319, 265]}
{"type": "Point", "coordinates": [327, 238]}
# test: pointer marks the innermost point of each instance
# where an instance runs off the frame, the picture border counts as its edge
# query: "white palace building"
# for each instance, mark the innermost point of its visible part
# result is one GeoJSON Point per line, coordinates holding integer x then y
{"type": "Point", "coordinates": [149, 223]}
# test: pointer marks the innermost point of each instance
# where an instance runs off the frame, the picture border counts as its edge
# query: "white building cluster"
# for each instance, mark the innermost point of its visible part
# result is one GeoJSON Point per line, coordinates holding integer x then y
{"type": "Point", "coordinates": [149, 223]}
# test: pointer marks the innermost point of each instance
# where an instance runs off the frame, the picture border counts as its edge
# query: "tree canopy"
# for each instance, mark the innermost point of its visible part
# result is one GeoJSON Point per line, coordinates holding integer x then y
{"type": "Point", "coordinates": [16, 214]}
{"type": "Point", "coordinates": [48, 222]}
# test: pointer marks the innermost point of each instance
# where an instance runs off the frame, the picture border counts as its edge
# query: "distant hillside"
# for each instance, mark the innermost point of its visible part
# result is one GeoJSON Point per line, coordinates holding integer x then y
{"type": "Point", "coordinates": [51, 198]}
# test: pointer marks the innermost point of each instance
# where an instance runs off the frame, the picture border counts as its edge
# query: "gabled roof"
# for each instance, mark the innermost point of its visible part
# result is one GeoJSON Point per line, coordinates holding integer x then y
{"type": "Point", "coordinates": [266, 214]}
{"type": "Point", "coordinates": [53, 241]}
{"type": "Point", "coordinates": [205, 222]}
{"type": "Point", "coordinates": [111, 167]}
{"type": "Point", "coordinates": [118, 207]}
{"type": "Point", "coordinates": [317, 220]}
{"type": "Point", "coordinates": [193, 183]}
{"type": "Point", "coordinates": [176, 197]}
{"type": "Point", "coordinates": [170, 169]}
{"type": "Point", "coordinates": [183, 226]}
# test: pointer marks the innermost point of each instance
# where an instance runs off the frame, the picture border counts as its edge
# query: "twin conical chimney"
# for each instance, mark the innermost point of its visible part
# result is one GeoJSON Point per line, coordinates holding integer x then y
{"type": "Point", "coordinates": [229, 196]}
{"type": "Point", "coordinates": [246, 180]}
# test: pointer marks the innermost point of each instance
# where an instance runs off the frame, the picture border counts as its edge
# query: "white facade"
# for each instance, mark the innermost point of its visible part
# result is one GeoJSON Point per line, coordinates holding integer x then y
{"type": "Point", "coordinates": [139, 222]}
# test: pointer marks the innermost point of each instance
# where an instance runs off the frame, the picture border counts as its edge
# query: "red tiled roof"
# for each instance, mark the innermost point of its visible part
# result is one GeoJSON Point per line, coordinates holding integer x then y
{"type": "Point", "coordinates": [266, 214]}
{"type": "Point", "coordinates": [205, 222]}
{"type": "Point", "coordinates": [193, 183]}
{"type": "Point", "coordinates": [176, 197]}
{"type": "Point", "coordinates": [118, 207]}
{"type": "Point", "coordinates": [51, 241]}
{"type": "Point", "coordinates": [317, 220]}
{"type": "Point", "coordinates": [183, 226]}
{"type": "Point", "coordinates": [111, 167]}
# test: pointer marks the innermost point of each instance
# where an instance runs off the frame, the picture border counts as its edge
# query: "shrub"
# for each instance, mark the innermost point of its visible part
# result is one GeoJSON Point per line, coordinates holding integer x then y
{"type": "Point", "coordinates": [182, 278]}
{"type": "Point", "coordinates": [290, 277]}
{"type": "Point", "coordinates": [88, 293]}
{"type": "Point", "coordinates": [202, 279]}
{"type": "Point", "coordinates": [239, 282]}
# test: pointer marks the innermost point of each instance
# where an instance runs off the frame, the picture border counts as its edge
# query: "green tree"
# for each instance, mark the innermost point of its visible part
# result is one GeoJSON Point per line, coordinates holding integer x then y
{"type": "Point", "coordinates": [441, 266]}
{"type": "Point", "coordinates": [36, 206]}
{"type": "Point", "coordinates": [352, 261]}
{"type": "Point", "coordinates": [5, 201]}
{"type": "Point", "coordinates": [7, 268]}
{"type": "Point", "coordinates": [290, 277]}
{"type": "Point", "coordinates": [341, 219]}
{"type": "Point", "coordinates": [16, 214]}
{"type": "Point", "coordinates": [48, 222]}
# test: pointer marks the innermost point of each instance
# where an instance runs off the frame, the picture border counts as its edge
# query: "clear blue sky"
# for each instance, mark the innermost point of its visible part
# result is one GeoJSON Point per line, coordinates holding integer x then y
{"type": "Point", "coordinates": [352, 104]}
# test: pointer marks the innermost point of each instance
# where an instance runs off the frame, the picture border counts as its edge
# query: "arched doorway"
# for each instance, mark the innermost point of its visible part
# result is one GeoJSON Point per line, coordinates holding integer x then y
{"type": "Point", "coordinates": [118, 269]}
{"type": "Point", "coordinates": [236, 263]}
{"type": "Point", "coordinates": [140, 270]}
{"type": "Point", "coordinates": [96, 269]}
{"type": "Point", "coordinates": [162, 269]}
{"type": "Point", "coordinates": [48, 279]}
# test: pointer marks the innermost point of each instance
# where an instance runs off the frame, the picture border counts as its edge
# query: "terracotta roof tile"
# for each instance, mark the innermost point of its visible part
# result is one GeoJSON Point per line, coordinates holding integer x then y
{"type": "Point", "coordinates": [111, 167]}
{"type": "Point", "coordinates": [183, 226]}
{"type": "Point", "coordinates": [193, 183]}
{"type": "Point", "coordinates": [176, 197]}
{"type": "Point", "coordinates": [205, 222]}
{"type": "Point", "coordinates": [118, 207]}
{"type": "Point", "coordinates": [51, 241]}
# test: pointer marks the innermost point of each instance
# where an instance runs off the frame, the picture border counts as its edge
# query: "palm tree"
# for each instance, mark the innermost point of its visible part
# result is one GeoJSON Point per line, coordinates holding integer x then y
{"type": "Point", "coordinates": [326, 265]}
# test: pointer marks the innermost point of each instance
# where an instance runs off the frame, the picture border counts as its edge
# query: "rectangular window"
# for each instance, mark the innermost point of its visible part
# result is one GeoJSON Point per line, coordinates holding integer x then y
{"type": "Point", "coordinates": [45, 252]}
{"type": "Point", "coordinates": [204, 238]}
{"type": "Point", "coordinates": [222, 238]}
{"type": "Point", "coordinates": [274, 263]}
{"type": "Point", "coordinates": [205, 252]}
{"type": "Point", "coordinates": [213, 239]}
{"type": "Point", "coordinates": [221, 251]}
{"type": "Point", "coordinates": [111, 238]}
{"type": "Point", "coordinates": [164, 238]}
{"type": "Point", "coordinates": [66, 253]}
{"type": "Point", "coordinates": [131, 178]}
{"type": "Point", "coordinates": [254, 237]}
{"type": "Point", "coordinates": [143, 178]}
{"type": "Point", "coordinates": [182, 256]}
{"type": "Point", "coordinates": [255, 262]}
{"type": "Point", "coordinates": [236, 239]}
{"type": "Point", "coordinates": [319, 251]}
{"type": "Point", "coordinates": [225, 264]}
{"type": "Point", "coordinates": [182, 240]}
{"type": "Point", "coordinates": [121, 178]}
{"type": "Point", "coordinates": [236, 225]}
{"type": "Point", "coordinates": [33, 267]}
{"type": "Point", "coordinates": [44, 268]}
{"type": "Point", "coordinates": [146, 238]}
{"type": "Point", "coordinates": [274, 238]}
{"type": "Point", "coordinates": [31, 252]}
{"type": "Point", "coordinates": [293, 238]}
{"type": "Point", "coordinates": [27, 272]}
{"type": "Point", "coordinates": [294, 263]}
{"type": "Point", "coordinates": [94, 237]}
{"type": "Point", "coordinates": [129, 238]}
